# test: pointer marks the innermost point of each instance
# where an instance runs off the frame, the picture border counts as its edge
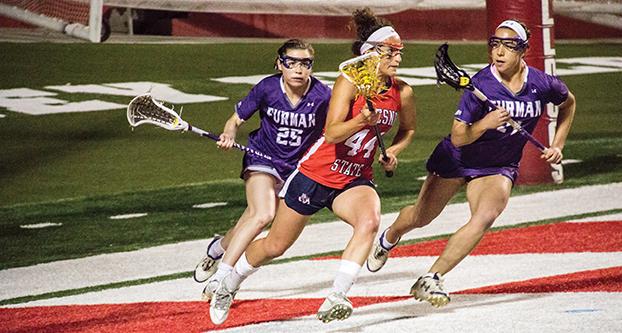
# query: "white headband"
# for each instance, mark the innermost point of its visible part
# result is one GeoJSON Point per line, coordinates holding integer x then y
{"type": "Point", "coordinates": [378, 36]}
{"type": "Point", "coordinates": [517, 27]}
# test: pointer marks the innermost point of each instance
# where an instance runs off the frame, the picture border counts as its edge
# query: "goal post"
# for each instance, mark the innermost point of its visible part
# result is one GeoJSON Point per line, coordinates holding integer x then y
{"type": "Point", "coordinates": [78, 18]}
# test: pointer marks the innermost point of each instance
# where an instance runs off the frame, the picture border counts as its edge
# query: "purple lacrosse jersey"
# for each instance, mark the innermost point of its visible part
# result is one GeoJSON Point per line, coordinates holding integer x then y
{"type": "Point", "coordinates": [497, 151]}
{"type": "Point", "coordinates": [286, 131]}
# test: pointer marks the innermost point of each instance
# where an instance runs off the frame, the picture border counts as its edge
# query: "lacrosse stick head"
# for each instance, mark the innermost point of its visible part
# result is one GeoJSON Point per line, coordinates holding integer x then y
{"type": "Point", "coordinates": [362, 72]}
{"type": "Point", "coordinates": [144, 109]}
{"type": "Point", "coordinates": [447, 72]}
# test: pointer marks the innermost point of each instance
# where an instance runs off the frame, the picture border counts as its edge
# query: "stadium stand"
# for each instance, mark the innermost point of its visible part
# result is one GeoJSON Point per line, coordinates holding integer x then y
{"type": "Point", "coordinates": [417, 19]}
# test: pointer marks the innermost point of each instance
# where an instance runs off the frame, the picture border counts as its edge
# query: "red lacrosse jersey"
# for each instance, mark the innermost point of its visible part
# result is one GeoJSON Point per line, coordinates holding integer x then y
{"type": "Point", "coordinates": [337, 165]}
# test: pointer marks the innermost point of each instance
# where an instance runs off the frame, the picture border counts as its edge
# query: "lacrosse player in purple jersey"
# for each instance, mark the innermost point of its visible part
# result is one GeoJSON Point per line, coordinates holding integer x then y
{"type": "Point", "coordinates": [292, 106]}
{"type": "Point", "coordinates": [482, 152]}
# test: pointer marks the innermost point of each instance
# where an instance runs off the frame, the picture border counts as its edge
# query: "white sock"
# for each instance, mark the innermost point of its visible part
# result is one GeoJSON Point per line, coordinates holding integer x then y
{"type": "Point", "coordinates": [240, 272]}
{"type": "Point", "coordinates": [346, 276]}
{"type": "Point", "coordinates": [385, 243]}
{"type": "Point", "coordinates": [223, 270]}
{"type": "Point", "coordinates": [215, 249]}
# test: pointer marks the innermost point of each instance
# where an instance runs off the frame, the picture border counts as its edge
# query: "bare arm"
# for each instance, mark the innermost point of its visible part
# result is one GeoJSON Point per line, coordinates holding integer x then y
{"type": "Point", "coordinates": [337, 128]}
{"type": "Point", "coordinates": [407, 116]}
{"type": "Point", "coordinates": [406, 131]}
{"type": "Point", "coordinates": [227, 138]}
{"type": "Point", "coordinates": [564, 121]}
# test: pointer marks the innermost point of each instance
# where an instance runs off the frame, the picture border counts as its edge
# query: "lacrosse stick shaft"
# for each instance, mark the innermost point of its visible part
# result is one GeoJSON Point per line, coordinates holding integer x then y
{"type": "Point", "coordinates": [214, 137]}
{"type": "Point", "coordinates": [512, 122]}
{"type": "Point", "coordinates": [383, 150]}
{"type": "Point", "coordinates": [144, 109]}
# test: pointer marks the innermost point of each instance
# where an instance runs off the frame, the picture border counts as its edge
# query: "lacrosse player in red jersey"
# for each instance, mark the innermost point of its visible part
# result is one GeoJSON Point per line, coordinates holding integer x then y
{"type": "Point", "coordinates": [293, 106]}
{"type": "Point", "coordinates": [482, 152]}
{"type": "Point", "coordinates": [336, 173]}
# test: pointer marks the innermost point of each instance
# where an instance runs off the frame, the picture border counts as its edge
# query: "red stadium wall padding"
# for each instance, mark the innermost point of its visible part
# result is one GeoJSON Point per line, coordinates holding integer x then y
{"type": "Point", "coordinates": [459, 24]}
{"type": "Point", "coordinates": [412, 25]}
{"type": "Point", "coordinates": [572, 28]}
{"type": "Point", "coordinates": [536, 14]}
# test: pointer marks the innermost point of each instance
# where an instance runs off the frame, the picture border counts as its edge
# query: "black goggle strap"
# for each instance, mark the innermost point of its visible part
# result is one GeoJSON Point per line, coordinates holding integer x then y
{"type": "Point", "coordinates": [514, 43]}
{"type": "Point", "coordinates": [290, 62]}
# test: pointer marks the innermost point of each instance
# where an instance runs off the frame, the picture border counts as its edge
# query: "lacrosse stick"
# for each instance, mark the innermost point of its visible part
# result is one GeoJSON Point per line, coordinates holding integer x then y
{"type": "Point", "coordinates": [447, 72]}
{"type": "Point", "coordinates": [144, 109]}
{"type": "Point", "coordinates": [362, 72]}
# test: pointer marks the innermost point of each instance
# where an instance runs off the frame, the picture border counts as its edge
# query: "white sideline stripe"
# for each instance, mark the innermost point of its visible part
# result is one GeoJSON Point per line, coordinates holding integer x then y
{"type": "Point", "coordinates": [127, 216]}
{"type": "Point", "coordinates": [209, 205]}
{"type": "Point", "coordinates": [525, 313]}
{"type": "Point", "coordinates": [317, 238]}
{"type": "Point", "coordinates": [571, 161]}
{"type": "Point", "coordinates": [313, 278]}
{"type": "Point", "coordinates": [603, 218]}
{"type": "Point", "coordinates": [40, 225]}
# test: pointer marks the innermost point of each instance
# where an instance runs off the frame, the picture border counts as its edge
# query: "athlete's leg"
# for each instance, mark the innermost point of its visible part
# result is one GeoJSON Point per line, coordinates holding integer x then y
{"type": "Point", "coordinates": [359, 206]}
{"type": "Point", "coordinates": [487, 198]}
{"type": "Point", "coordinates": [287, 226]}
{"type": "Point", "coordinates": [285, 229]}
{"type": "Point", "coordinates": [433, 197]}
{"type": "Point", "coordinates": [261, 206]}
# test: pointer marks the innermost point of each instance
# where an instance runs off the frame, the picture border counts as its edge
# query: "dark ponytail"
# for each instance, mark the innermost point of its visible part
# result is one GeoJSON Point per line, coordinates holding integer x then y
{"type": "Point", "coordinates": [365, 23]}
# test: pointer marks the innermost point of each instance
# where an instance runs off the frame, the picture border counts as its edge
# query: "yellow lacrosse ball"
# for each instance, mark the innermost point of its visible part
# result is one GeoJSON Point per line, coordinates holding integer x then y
{"type": "Point", "coordinates": [464, 81]}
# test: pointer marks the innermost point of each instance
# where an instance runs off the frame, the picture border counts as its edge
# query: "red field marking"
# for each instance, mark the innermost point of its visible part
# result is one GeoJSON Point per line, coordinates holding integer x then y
{"type": "Point", "coordinates": [604, 280]}
{"type": "Point", "coordinates": [549, 238]}
{"type": "Point", "coordinates": [194, 316]}
{"type": "Point", "coordinates": [160, 316]}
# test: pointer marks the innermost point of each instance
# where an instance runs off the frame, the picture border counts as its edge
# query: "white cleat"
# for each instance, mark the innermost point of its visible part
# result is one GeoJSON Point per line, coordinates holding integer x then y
{"type": "Point", "coordinates": [429, 288]}
{"type": "Point", "coordinates": [336, 306]}
{"type": "Point", "coordinates": [207, 266]}
{"type": "Point", "coordinates": [210, 289]}
{"type": "Point", "coordinates": [377, 257]}
{"type": "Point", "coordinates": [221, 302]}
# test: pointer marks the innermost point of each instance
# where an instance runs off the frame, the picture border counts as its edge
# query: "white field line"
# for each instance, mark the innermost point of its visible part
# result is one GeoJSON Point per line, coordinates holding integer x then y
{"type": "Point", "coordinates": [209, 205]}
{"type": "Point", "coordinates": [40, 225]}
{"type": "Point", "coordinates": [524, 313]}
{"type": "Point", "coordinates": [317, 238]}
{"type": "Point", "coordinates": [602, 218]}
{"type": "Point", "coordinates": [313, 278]}
{"type": "Point", "coordinates": [128, 216]}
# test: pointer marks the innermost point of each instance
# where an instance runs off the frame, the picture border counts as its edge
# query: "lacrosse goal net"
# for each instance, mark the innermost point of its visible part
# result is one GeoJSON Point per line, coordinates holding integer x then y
{"type": "Point", "coordinates": [78, 18]}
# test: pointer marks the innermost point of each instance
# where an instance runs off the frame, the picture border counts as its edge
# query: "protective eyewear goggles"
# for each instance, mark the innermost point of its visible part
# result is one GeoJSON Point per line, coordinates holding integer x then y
{"type": "Point", "coordinates": [292, 62]}
{"type": "Point", "coordinates": [389, 50]}
{"type": "Point", "coordinates": [514, 44]}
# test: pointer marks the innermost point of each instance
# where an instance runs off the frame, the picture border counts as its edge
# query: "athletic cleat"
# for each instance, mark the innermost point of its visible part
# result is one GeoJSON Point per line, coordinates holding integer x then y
{"type": "Point", "coordinates": [207, 266]}
{"type": "Point", "coordinates": [377, 257]}
{"type": "Point", "coordinates": [210, 289]}
{"type": "Point", "coordinates": [222, 299]}
{"type": "Point", "coordinates": [429, 288]}
{"type": "Point", "coordinates": [336, 306]}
